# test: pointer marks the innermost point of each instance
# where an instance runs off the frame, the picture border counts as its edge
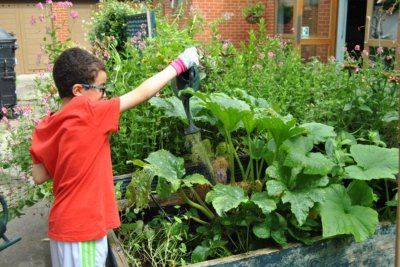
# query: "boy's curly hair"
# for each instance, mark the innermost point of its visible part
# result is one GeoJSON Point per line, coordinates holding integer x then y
{"type": "Point", "coordinates": [73, 66]}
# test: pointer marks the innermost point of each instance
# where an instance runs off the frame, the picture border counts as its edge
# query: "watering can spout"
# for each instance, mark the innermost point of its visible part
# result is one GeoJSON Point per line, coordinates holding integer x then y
{"type": "Point", "coordinates": [188, 79]}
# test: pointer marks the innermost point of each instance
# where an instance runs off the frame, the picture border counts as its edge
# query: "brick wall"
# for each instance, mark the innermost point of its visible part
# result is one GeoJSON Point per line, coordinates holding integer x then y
{"type": "Point", "coordinates": [61, 21]}
{"type": "Point", "coordinates": [236, 27]}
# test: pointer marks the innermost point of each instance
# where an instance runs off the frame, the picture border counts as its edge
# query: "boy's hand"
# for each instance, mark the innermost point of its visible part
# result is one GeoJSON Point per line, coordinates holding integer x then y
{"type": "Point", "coordinates": [186, 60]}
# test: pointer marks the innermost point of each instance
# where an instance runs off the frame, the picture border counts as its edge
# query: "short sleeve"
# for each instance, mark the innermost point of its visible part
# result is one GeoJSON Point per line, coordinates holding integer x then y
{"type": "Point", "coordinates": [35, 159]}
{"type": "Point", "coordinates": [106, 114]}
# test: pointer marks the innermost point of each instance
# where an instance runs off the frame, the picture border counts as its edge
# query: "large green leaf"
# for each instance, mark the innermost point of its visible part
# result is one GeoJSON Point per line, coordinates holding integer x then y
{"type": "Point", "coordinates": [318, 132]}
{"type": "Point", "coordinates": [228, 110]}
{"type": "Point", "coordinates": [226, 197]}
{"type": "Point", "coordinates": [280, 129]}
{"type": "Point", "coordinates": [194, 179]}
{"type": "Point", "coordinates": [172, 107]}
{"type": "Point", "coordinates": [373, 162]}
{"type": "Point", "coordinates": [299, 155]}
{"type": "Point", "coordinates": [302, 201]}
{"type": "Point", "coordinates": [263, 229]}
{"type": "Point", "coordinates": [339, 216]}
{"type": "Point", "coordinates": [360, 193]}
{"type": "Point", "coordinates": [264, 202]}
{"type": "Point", "coordinates": [166, 166]}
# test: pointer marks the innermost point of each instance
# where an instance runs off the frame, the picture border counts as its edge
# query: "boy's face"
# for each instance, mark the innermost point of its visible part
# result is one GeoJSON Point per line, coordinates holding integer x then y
{"type": "Point", "coordinates": [94, 91]}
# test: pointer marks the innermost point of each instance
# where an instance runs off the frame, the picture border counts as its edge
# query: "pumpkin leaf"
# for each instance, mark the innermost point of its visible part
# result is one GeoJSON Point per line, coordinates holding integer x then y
{"type": "Point", "coordinates": [264, 202]}
{"type": "Point", "coordinates": [228, 110]}
{"type": "Point", "coordinates": [318, 132]}
{"type": "Point", "coordinates": [299, 155]}
{"type": "Point", "coordinates": [226, 197]}
{"type": "Point", "coordinates": [373, 162]}
{"type": "Point", "coordinates": [194, 179]}
{"type": "Point", "coordinates": [339, 216]}
{"type": "Point", "coordinates": [262, 229]}
{"type": "Point", "coordinates": [360, 193]}
{"type": "Point", "coordinates": [280, 130]}
{"type": "Point", "coordinates": [166, 166]}
{"type": "Point", "coordinates": [172, 107]}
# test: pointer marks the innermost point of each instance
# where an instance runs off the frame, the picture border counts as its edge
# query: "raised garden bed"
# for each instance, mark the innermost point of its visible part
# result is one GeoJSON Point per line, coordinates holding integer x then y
{"type": "Point", "coordinates": [378, 250]}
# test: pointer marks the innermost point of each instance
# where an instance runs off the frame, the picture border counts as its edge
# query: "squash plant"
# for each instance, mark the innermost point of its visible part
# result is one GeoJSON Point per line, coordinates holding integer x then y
{"type": "Point", "coordinates": [316, 181]}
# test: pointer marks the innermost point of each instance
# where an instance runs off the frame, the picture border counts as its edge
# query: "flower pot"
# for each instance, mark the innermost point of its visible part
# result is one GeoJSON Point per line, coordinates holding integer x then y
{"type": "Point", "coordinates": [378, 250]}
{"type": "Point", "coordinates": [253, 19]}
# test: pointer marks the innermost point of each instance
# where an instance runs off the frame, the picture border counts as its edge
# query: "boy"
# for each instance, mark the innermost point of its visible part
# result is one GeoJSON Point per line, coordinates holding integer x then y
{"type": "Point", "coordinates": [71, 147]}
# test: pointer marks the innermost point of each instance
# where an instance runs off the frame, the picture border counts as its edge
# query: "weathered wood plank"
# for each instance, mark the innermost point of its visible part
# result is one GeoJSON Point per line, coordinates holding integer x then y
{"type": "Point", "coordinates": [379, 250]}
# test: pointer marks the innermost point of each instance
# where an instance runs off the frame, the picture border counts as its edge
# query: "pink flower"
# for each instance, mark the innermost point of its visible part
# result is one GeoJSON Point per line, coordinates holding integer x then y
{"type": "Point", "coordinates": [106, 54]}
{"type": "Point", "coordinates": [357, 48]}
{"type": "Point", "coordinates": [39, 5]}
{"type": "Point", "coordinates": [33, 20]}
{"type": "Point", "coordinates": [225, 45]}
{"type": "Point", "coordinates": [379, 50]}
{"type": "Point", "coordinates": [49, 2]}
{"type": "Point", "coordinates": [4, 110]}
{"type": "Point", "coordinates": [256, 66]}
{"type": "Point", "coordinates": [134, 39]}
{"type": "Point", "coordinates": [74, 14]}
{"type": "Point", "coordinates": [271, 54]}
{"type": "Point", "coordinates": [7, 122]}
{"type": "Point", "coordinates": [64, 4]}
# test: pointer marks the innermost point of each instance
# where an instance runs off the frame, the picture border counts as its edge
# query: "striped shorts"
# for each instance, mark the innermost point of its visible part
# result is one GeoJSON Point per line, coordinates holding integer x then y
{"type": "Point", "coordinates": [79, 254]}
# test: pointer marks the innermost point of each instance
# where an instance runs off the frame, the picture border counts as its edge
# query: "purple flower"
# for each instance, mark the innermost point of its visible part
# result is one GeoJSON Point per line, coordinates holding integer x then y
{"type": "Point", "coordinates": [49, 2]}
{"type": "Point", "coordinates": [33, 20]}
{"type": "Point", "coordinates": [357, 47]}
{"type": "Point", "coordinates": [64, 4]}
{"type": "Point", "coordinates": [39, 5]}
{"type": "Point", "coordinates": [74, 14]}
{"type": "Point", "coordinates": [379, 50]}
{"type": "Point", "coordinates": [271, 54]}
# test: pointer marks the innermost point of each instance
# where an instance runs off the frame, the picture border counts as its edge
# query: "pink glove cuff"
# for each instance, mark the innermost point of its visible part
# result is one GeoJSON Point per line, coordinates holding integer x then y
{"type": "Point", "coordinates": [179, 66]}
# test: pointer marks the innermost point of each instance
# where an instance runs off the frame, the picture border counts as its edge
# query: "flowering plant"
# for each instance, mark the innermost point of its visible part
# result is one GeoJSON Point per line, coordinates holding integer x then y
{"type": "Point", "coordinates": [15, 161]}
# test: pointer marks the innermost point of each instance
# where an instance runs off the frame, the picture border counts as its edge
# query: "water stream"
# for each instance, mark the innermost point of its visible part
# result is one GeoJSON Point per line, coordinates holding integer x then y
{"type": "Point", "coordinates": [193, 143]}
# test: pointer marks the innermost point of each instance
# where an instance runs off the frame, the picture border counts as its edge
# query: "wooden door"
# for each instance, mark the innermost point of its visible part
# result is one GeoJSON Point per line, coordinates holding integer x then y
{"type": "Point", "coordinates": [383, 29]}
{"type": "Point", "coordinates": [311, 24]}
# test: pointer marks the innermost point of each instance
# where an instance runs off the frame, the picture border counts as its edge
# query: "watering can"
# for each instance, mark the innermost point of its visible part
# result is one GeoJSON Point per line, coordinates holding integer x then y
{"type": "Point", "coordinates": [187, 79]}
{"type": "Point", "coordinates": [3, 228]}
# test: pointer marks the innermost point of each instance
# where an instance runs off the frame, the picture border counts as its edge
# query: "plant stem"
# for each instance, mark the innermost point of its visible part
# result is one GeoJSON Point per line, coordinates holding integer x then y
{"type": "Point", "coordinates": [198, 198]}
{"type": "Point", "coordinates": [198, 220]}
{"type": "Point", "coordinates": [209, 215]}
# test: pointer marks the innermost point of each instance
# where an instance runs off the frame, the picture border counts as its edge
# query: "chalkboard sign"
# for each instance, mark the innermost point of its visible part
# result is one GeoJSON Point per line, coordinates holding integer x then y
{"type": "Point", "coordinates": [143, 22]}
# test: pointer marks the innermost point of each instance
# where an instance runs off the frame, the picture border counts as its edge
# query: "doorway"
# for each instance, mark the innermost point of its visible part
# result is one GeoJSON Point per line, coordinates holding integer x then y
{"type": "Point", "coordinates": [355, 28]}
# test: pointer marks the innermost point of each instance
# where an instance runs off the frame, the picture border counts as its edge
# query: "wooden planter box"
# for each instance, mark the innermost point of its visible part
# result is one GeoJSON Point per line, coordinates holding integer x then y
{"type": "Point", "coordinates": [379, 250]}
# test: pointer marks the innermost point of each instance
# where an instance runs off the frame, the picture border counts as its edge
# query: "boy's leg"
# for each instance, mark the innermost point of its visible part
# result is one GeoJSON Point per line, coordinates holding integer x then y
{"type": "Point", "coordinates": [79, 254]}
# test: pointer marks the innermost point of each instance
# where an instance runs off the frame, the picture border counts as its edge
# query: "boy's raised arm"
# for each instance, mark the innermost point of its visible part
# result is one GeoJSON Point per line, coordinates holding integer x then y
{"type": "Point", "coordinates": [151, 86]}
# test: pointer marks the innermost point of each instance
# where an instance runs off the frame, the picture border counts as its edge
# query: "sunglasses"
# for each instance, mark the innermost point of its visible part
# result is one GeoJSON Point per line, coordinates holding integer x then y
{"type": "Point", "coordinates": [89, 86]}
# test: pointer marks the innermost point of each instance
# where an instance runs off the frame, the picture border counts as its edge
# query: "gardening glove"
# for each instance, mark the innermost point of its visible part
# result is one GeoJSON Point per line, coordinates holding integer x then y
{"type": "Point", "coordinates": [186, 60]}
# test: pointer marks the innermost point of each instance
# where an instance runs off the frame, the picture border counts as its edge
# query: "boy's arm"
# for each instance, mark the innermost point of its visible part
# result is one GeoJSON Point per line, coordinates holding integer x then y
{"type": "Point", "coordinates": [151, 86]}
{"type": "Point", "coordinates": [40, 174]}
{"type": "Point", "coordinates": [147, 89]}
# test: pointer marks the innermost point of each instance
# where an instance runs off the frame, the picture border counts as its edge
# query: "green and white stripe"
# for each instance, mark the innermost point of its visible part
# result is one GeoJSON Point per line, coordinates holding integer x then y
{"type": "Point", "coordinates": [88, 253]}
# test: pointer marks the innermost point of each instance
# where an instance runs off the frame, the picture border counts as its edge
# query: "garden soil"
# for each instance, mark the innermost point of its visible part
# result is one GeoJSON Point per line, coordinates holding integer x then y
{"type": "Point", "coordinates": [33, 249]}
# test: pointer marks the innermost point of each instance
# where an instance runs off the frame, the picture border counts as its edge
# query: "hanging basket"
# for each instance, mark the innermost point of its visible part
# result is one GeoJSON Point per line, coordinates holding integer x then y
{"type": "Point", "coordinates": [253, 19]}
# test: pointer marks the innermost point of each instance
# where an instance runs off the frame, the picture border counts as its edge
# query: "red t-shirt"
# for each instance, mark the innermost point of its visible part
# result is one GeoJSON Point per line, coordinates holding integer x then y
{"type": "Point", "coordinates": [73, 145]}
